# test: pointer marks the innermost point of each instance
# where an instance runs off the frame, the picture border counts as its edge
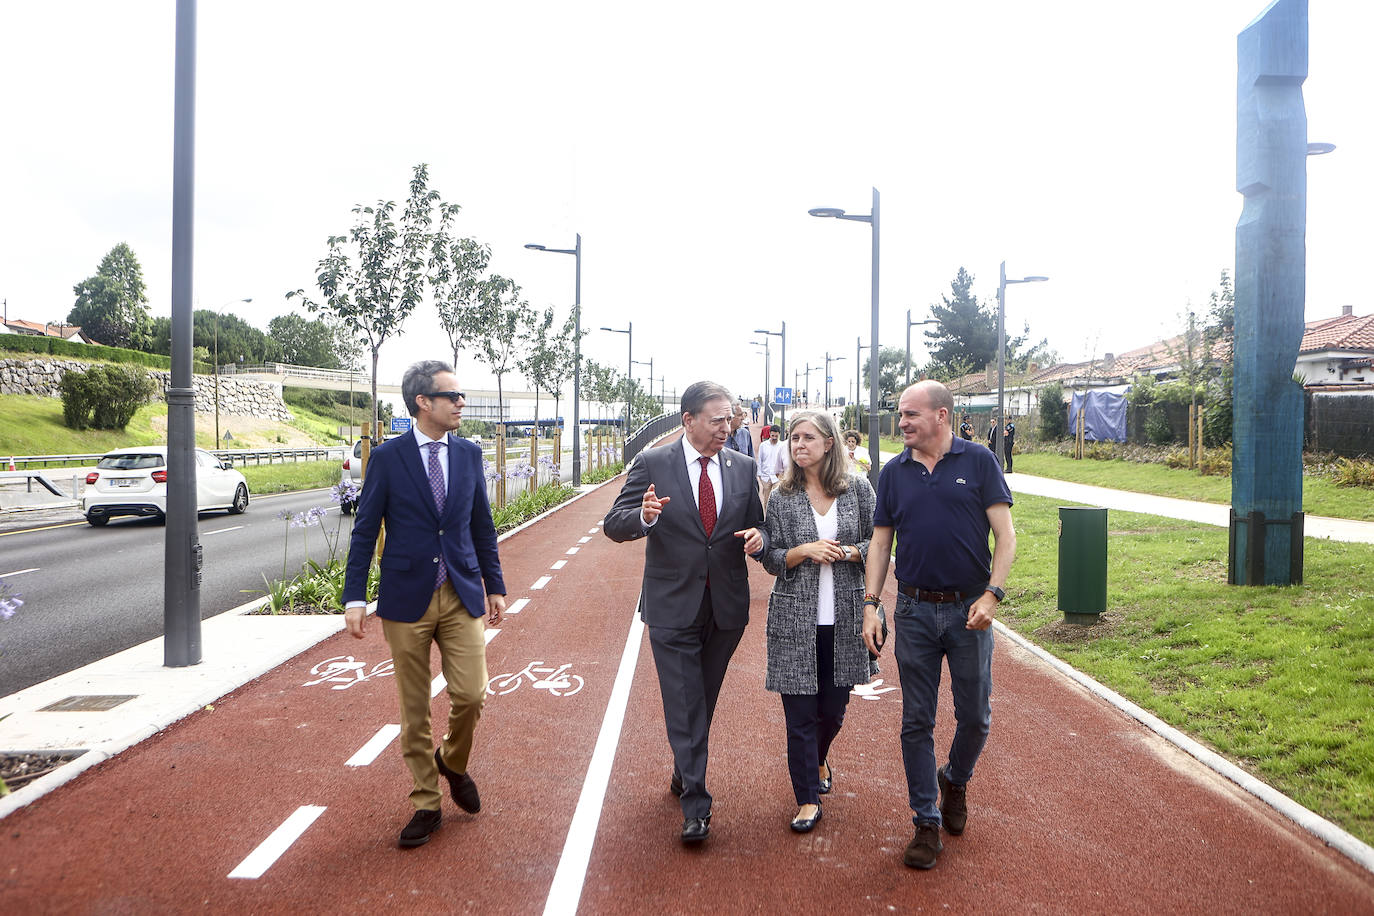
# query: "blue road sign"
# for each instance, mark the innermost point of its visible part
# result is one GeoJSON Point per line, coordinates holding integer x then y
{"type": "Point", "coordinates": [400, 424]}
{"type": "Point", "coordinates": [782, 397]}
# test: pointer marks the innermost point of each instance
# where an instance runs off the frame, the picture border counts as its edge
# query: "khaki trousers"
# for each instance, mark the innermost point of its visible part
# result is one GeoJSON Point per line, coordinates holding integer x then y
{"type": "Point", "coordinates": [463, 659]}
{"type": "Point", "coordinates": [765, 487]}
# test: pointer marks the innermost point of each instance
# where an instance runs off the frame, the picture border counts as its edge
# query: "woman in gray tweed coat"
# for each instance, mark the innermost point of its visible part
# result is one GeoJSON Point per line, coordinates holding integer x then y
{"type": "Point", "coordinates": [819, 522]}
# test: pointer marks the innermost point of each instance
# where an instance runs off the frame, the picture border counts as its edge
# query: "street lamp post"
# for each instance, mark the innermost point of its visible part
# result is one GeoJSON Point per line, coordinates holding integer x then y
{"type": "Point", "coordinates": [217, 311]}
{"type": "Point", "coordinates": [767, 371]}
{"type": "Point", "coordinates": [807, 372]}
{"type": "Point", "coordinates": [576, 252]}
{"type": "Point", "coordinates": [782, 372]}
{"type": "Point", "coordinates": [650, 364]}
{"type": "Point", "coordinates": [629, 332]}
{"type": "Point", "coordinates": [828, 360]}
{"type": "Point", "coordinates": [1002, 284]}
{"type": "Point", "coordinates": [909, 325]}
{"type": "Point", "coordinates": [873, 220]}
{"type": "Point", "coordinates": [858, 376]}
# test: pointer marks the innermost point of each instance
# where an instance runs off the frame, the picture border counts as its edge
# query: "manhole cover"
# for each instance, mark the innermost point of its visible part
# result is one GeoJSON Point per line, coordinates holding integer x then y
{"type": "Point", "coordinates": [92, 703]}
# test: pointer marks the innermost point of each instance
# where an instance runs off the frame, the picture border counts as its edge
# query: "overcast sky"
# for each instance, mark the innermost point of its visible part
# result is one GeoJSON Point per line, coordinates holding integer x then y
{"type": "Point", "coordinates": [1091, 142]}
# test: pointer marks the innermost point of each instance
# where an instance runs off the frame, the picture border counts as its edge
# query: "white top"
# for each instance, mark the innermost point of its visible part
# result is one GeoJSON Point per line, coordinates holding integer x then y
{"type": "Point", "coordinates": [827, 526]}
{"type": "Point", "coordinates": [772, 459]}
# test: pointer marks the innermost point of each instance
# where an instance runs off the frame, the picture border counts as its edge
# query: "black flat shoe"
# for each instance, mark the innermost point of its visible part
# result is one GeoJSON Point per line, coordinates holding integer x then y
{"type": "Point", "coordinates": [828, 780]}
{"type": "Point", "coordinates": [806, 824]}
{"type": "Point", "coordinates": [696, 830]}
{"type": "Point", "coordinates": [417, 832]}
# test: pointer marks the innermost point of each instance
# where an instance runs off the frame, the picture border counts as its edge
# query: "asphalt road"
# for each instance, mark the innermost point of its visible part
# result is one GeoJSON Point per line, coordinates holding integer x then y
{"type": "Point", "coordinates": [90, 592]}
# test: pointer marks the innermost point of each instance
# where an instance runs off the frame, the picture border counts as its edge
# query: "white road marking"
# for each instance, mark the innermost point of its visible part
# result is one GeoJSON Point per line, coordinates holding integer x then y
{"type": "Point", "coordinates": [583, 540]}
{"type": "Point", "coordinates": [566, 890]}
{"type": "Point", "coordinates": [517, 605]}
{"type": "Point", "coordinates": [437, 685]}
{"type": "Point", "coordinates": [271, 849]}
{"type": "Point", "coordinates": [573, 550]}
{"type": "Point", "coordinates": [369, 751]}
{"type": "Point", "coordinates": [559, 565]}
{"type": "Point", "coordinates": [220, 530]}
{"type": "Point", "coordinates": [20, 572]}
{"type": "Point", "coordinates": [593, 530]}
{"type": "Point", "coordinates": [541, 582]}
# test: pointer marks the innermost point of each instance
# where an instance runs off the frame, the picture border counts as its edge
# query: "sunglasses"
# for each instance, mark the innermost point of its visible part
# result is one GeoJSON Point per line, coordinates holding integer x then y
{"type": "Point", "coordinates": [454, 396]}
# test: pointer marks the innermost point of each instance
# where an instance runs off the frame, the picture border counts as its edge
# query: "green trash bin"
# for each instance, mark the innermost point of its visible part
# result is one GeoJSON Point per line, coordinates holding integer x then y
{"type": "Point", "coordinates": [1082, 563]}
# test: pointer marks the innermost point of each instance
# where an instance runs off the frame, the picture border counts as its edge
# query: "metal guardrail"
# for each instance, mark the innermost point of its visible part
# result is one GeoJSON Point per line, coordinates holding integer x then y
{"type": "Point", "coordinates": [650, 433]}
{"type": "Point", "coordinates": [233, 456]}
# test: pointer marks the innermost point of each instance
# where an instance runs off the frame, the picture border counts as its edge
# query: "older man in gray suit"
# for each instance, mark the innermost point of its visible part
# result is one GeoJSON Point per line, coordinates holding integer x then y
{"type": "Point", "coordinates": [699, 509]}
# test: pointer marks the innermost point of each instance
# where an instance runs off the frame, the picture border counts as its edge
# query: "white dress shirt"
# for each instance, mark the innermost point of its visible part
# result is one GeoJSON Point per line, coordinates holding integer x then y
{"type": "Point", "coordinates": [772, 459]}
{"type": "Point", "coordinates": [694, 475]}
{"type": "Point", "coordinates": [424, 454]}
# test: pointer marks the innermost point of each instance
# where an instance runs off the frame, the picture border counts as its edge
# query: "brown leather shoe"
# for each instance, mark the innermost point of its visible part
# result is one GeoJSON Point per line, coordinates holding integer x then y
{"type": "Point", "coordinates": [953, 805]}
{"type": "Point", "coordinates": [461, 785]}
{"type": "Point", "coordinates": [925, 846]}
{"type": "Point", "coordinates": [421, 825]}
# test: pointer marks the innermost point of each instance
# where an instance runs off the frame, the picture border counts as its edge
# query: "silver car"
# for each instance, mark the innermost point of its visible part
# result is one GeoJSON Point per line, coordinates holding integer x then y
{"type": "Point", "coordinates": [133, 481]}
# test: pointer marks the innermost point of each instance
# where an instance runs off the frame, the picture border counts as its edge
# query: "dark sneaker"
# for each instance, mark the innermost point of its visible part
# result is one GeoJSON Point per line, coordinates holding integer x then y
{"type": "Point", "coordinates": [953, 807]}
{"type": "Point", "coordinates": [925, 846]}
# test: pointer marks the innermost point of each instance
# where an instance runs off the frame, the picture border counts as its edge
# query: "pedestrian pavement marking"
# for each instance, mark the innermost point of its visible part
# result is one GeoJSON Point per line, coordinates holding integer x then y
{"type": "Point", "coordinates": [369, 751]}
{"type": "Point", "coordinates": [573, 550]}
{"type": "Point", "coordinates": [206, 534]}
{"type": "Point", "coordinates": [437, 685]}
{"type": "Point", "coordinates": [541, 582]}
{"type": "Point", "coordinates": [271, 849]}
{"type": "Point", "coordinates": [566, 889]}
{"type": "Point", "coordinates": [559, 565]}
{"type": "Point", "coordinates": [20, 572]}
{"type": "Point", "coordinates": [583, 540]}
{"type": "Point", "coordinates": [517, 605]}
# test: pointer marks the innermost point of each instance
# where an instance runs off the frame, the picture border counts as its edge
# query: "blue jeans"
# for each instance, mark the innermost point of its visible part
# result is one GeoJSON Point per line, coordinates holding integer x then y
{"type": "Point", "coordinates": [925, 633]}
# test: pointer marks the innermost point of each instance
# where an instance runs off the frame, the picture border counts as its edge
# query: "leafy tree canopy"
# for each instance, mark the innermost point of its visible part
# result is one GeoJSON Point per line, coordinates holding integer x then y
{"type": "Point", "coordinates": [304, 342]}
{"type": "Point", "coordinates": [112, 304]}
{"type": "Point", "coordinates": [966, 329]}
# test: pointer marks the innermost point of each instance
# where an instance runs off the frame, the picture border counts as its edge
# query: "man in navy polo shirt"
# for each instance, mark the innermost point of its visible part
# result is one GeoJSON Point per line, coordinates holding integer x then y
{"type": "Point", "coordinates": [941, 497]}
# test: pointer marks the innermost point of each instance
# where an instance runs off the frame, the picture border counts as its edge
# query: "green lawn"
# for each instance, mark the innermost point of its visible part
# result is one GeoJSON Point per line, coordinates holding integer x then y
{"type": "Point", "coordinates": [1276, 679]}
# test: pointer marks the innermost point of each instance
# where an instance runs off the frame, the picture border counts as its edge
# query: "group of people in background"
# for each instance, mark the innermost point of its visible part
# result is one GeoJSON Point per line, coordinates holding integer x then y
{"type": "Point", "coordinates": [1008, 437]}
{"type": "Point", "coordinates": [804, 509]}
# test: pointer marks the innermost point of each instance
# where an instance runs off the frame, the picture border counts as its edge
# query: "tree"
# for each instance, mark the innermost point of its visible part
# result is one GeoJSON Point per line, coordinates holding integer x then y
{"type": "Point", "coordinates": [112, 305]}
{"type": "Point", "coordinates": [1054, 413]}
{"type": "Point", "coordinates": [601, 383]}
{"type": "Point", "coordinates": [539, 359]}
{"type": "Point", "coordinates": [235, 339]}
{"type": "Point", "coordinates": [305, 343]}
{"type": "Point", "coordinates": [1219, 333]}
{"type": "Point", "coordinates": [966, 329]}
{"type": "Point", "coordinates": [565, 350]}
{"type": "Point", "coordinates": [373, 278]}
{"type": "Point", "coordinates": [456, 268]}
{"type": "Point", "coordinates": [891, 372]}
{"type": "Point", "coordinates": [504, 319]}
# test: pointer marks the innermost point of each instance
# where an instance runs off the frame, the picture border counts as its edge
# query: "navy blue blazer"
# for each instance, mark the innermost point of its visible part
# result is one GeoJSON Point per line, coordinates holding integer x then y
{"type": "Point", "coordinates": [397, 491]}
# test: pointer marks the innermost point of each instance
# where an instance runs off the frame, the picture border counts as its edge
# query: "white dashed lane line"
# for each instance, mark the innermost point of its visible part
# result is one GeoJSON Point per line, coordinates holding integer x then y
{"type": "Point", "coordinates": [592, 530]}
{"type": "Point", "coordinates": [583, 540]}
{"type": "Point", "coordinates": [559, 565]}
{"type": "Point", "coordinates": [573, 550]}
{"type": "Point", "coordinates": [541, 582]}
{"type": "Point", "coordinates": [20, 572]}
{"type": "Point", "coordinates": [206, 534]}
{"type": "Point", "coordinates": [369, 751]}
{"type": "Point", "coordinates": [271, 849]}
{"type": "Point", "coordinates": [517, 605]}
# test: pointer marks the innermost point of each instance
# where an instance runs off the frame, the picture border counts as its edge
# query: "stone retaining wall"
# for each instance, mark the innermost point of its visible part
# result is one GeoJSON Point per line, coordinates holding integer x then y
{"type": "Point", "coordinates": [237, 397]}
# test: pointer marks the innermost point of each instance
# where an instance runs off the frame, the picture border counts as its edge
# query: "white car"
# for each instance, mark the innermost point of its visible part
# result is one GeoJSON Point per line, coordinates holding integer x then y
{"type": "Point", "coordinates": [352, 473]}
{"type": "Point", "coordinates": [133, 481]}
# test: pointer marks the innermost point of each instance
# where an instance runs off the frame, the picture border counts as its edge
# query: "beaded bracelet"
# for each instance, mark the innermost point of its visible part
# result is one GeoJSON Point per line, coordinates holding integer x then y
{"type": "Point", "coordinates": [872, 599]}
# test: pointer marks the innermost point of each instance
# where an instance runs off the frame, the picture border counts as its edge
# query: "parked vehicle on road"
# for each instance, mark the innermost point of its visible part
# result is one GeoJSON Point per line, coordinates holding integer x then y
{"type": "Point", "coordinates": [133, 481]}
{"type": "Point", "coordinates": [352, 473]}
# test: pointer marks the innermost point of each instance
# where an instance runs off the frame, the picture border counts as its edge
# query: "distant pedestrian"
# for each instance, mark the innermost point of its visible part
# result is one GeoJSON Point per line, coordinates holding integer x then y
{"type": "Point", "coordinates": [819, 521]}
{"type": "Point", "coordinates": [858, 455]}
{"type": "Point", "coordinates": [441, 575]}
{"type": "Point", "coordinates": [941, 498]}
{"type": "Point", "coordinates": [754, 406]}
{"type": "Point", "coordinates": [1008, 440]}
{"type": "Point", "coordinates": [772, 461]}
{"type": "Point", "coordinates": [966, 429]}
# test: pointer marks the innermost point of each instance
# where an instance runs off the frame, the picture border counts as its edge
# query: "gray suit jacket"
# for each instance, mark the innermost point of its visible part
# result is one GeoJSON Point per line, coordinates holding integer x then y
{"type": "Point", "coordinates": [796, 592]}
{"type": "Point", "coordinates": [678, 557]}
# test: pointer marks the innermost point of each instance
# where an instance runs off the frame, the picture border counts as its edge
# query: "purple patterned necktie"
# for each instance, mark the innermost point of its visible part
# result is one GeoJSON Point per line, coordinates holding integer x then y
{"type": "Point", "coordinates": [436, 484]}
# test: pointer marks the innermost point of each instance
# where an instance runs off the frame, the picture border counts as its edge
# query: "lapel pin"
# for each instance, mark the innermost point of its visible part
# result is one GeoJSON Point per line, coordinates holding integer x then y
{"type": "Point", "coordinates": [727, 463]}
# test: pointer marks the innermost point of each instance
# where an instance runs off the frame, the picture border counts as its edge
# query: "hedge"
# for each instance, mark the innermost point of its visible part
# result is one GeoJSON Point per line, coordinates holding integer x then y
{"type": "Point", "coordinates": [56, 346]}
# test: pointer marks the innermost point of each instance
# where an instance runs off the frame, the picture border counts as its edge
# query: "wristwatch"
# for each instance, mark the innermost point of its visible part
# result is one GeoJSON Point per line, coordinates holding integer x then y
{"type": "Point", "coordinates": [996, 593]}
{"type": "Point", "coordinates": [845, 551]}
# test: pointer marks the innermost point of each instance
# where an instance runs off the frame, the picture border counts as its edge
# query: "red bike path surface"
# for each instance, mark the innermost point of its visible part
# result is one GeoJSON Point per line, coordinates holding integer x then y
{"type": "Point", "coordinates": [1074, 808]}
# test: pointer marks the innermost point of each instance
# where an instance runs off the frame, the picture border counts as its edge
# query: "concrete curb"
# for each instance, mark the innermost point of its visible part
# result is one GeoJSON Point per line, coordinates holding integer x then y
{"type": "Point", "coordinates": [1330, 834]}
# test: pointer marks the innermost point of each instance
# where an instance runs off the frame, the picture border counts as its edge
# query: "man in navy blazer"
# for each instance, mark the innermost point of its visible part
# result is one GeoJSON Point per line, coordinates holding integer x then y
{"type": "Point", "coordinates": [441, 575]}
{"type": "Point", "coordinates": [697, 506]}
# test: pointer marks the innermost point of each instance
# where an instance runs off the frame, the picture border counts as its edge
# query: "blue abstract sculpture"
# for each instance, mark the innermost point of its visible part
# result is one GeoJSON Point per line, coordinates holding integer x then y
{"type": "Point", "coordinates": [1271, 261]}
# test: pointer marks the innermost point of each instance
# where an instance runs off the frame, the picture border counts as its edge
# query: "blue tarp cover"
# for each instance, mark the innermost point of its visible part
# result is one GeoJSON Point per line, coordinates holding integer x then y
{"type": "Point", "coordinates": [1104, 416]}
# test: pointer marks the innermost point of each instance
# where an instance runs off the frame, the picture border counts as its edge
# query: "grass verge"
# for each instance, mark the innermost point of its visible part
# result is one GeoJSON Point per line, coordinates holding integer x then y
{"type": "Point", "coordinates": [1276, 679]}
{"type": "Point", "coordinates": [294, 475]}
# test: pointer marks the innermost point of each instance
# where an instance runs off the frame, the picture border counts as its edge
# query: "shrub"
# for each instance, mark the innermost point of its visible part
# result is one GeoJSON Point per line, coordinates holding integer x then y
{"type": "Point", "coordinates": [23, 343]}
{"type": "Point", "coordinates": [1356, 472]}
{"type": "Point", "coordinates": [1157, 428]}
{"type": "Point", "coordinates": [104, 397]}
{"type": "Point", "coordinates": [1215, 462]}
{"type": "Point", "coordinates": [1054, 413]}
{"type": "Point", "coordinates": [1100, 451]}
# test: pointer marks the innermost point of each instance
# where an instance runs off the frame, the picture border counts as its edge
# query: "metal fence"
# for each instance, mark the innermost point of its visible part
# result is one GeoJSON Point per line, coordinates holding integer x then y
{"type": "Point", "coordinates": [233, 456]}
{"type": "Point", "coordinates": [650, 433]}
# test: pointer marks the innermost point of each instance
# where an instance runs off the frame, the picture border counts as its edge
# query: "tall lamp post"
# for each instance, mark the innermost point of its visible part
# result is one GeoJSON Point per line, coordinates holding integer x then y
{"type": "Point", "coordinates": [629, 332]}
{"type": "Point", "coordinates": [909, 325]}
{"type": "Point", "coordinates": [873, 220]}
{"type": "Point", "coordinates": [767, 371]}
{"type": "Point", "coordinates": [576, 252]}
{"type": "Point", "coordinates": [217, 311]}
{"type": "Point", "coordinates": [858, 376]}
{"type": "Point", "coordinates": [806, 371]}
{"type": "Point", "coordinates": [782, 372]}
{"type": "Point", "coordinates": [1002, 284]}
{"type": "Point", "coordinates": [828, 360]}
{"type": "Point", "coordinates": [650, 364]}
